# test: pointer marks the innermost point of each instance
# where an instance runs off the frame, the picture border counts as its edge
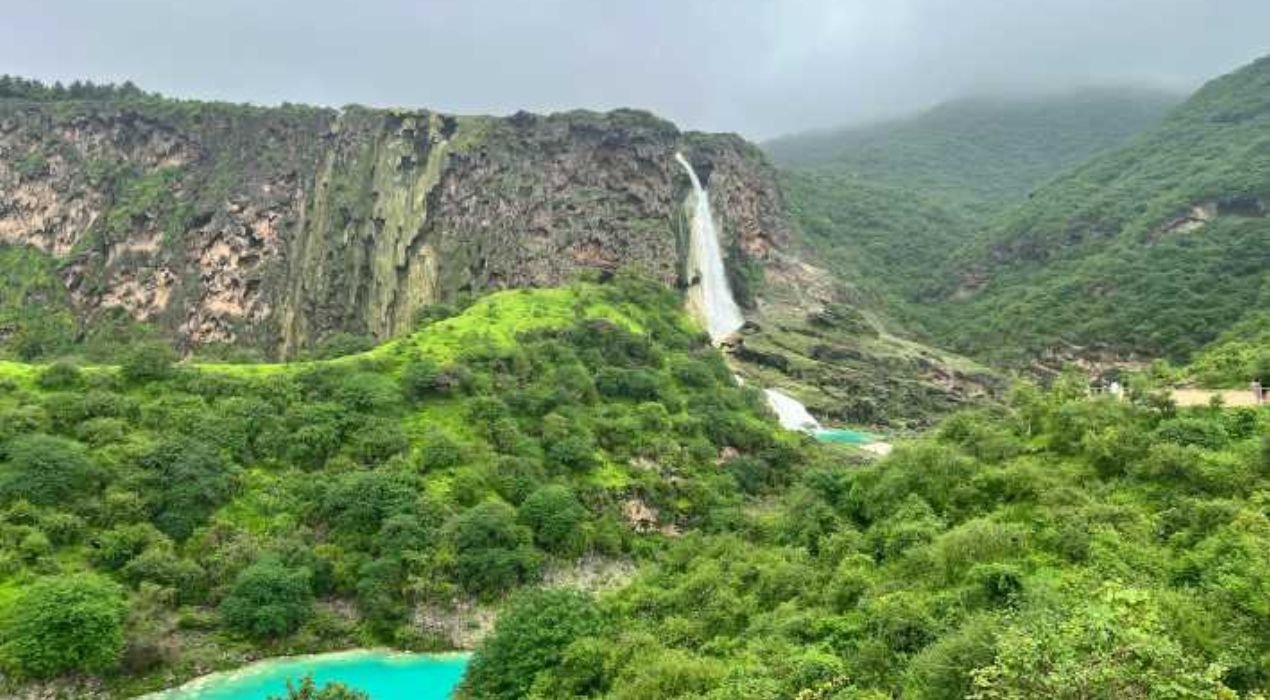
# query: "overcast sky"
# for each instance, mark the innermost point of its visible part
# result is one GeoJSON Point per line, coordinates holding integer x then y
{"type": "Point", "coordinates": [760, 67]}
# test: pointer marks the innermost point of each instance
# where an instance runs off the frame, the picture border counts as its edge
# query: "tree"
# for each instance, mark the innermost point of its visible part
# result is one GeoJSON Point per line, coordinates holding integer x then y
{"type": "Point", "coordinates": [59, 375]}
{"type": "Point", "coordinates": [147, 363]}
{"type": "Point", "coordinates": [308, 690]}
{"type": "Point", "coordinates": [61, 624]}
{"type": "Point", "coordinates": [268, 600]}
{"type": "Point", "coordinates": [556, 517]}
{"type": "Point", "coordinates": [492, 550]}
{"type": "Point", "coordinates": [188, 481]}
{"type": "Point", "coordinates": [1113, 646]}
{"type": "Point", "coordinates": [531, 635]}
{"type": "Point", "coordinates": [46, 470]}
{"type": "Point", "coordinates": [419, 378]}
{"type": "Point", "coordinates": [377, 440]}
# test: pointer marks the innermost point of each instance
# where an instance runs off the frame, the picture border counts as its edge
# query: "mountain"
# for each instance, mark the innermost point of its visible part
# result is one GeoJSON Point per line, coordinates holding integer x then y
{"type": "Point", "coordinates": [984, 150]}
{"type": "Point", "coordinates": [884, 205]}
{"type": "Point", "coordinates": [1148, 251]}
{"type": "Point", "coordinates": [241, 232]}
{"type": "Point", "coordinates": [274, 228]}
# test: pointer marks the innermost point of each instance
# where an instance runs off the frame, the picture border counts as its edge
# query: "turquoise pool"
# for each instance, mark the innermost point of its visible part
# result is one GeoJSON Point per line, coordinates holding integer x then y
{"type": "Point", "coordinates": [842, 435]}
{"type": "Point", "coordinates": [386, 675]}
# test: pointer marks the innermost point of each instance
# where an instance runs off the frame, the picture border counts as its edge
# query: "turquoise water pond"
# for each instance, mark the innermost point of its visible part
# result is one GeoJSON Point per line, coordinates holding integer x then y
{"type": "Point", "coordinates": [386, 675]}
{"type": "Point", "coordinates": [842, 435]}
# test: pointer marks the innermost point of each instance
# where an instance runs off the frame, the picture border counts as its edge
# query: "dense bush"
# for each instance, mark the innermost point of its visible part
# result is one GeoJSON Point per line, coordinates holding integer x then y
{"type": "Point", "coordinates": [532, 635]}
{"type": "Point", "coordinates": [268, 599]}
{"type": "Point", "coordinates": [63, 624]}
{"type": "Point", "coordinates": [1003, 558]}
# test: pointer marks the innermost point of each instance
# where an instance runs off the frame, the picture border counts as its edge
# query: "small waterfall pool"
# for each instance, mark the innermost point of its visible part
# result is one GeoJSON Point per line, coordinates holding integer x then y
{"type": "Point", "coordinates": [384, 674]}
{"type": "Point", "coordinates": [845, 436]}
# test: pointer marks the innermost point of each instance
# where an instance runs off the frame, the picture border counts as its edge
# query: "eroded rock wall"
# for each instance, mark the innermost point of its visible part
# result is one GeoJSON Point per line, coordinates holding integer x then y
{"type": "Point", "coordinates": [274, 228]}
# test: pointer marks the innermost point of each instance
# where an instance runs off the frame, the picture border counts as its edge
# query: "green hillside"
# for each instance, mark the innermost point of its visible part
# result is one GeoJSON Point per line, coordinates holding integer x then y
{"type": "Point", "coordinates": [978, 150]}
{"type": "Point", "coordinates": [190, 514]}
{"type": "Point", "coordinates": [1062, 548]}
{"type": "Point", "coordinates": [1155, 249]}
{"type": "Point", "coordinates": [886, 205]}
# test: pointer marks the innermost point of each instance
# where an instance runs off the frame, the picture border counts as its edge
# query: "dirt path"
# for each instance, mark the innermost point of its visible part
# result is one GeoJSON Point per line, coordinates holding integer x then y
{"type": "Point", "coordinates": [1201, 397]}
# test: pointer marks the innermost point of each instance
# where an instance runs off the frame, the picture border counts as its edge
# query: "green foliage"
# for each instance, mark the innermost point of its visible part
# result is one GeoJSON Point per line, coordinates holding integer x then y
{"type": "Point", "coordinates": [979, 149]}
{"type": "Point", "coordinates": [308, 689]}
{"type": "Point", "coordinates": [267, 600]}
{"type": "Point", "coordinates": [1116, 646]}
{"type": "Point", "coordinates": [432, 469]}
{"type": "Point", "coordinates": [188, 481]}
{"type": "Point", "coordinates": [531, 636]}
{"type": "Point", "coordinates": [492, 549]}
{"type": "Point", "coordinates": [1014, 554]}
{"type": "Point", "coordinates": [60, 376]}
{"type": "Point", "coordinates": [148, 363]}
{"type": "Point", "coordinates": [556, 517]}
{"type": "Point", "coordinates": [46, 470]}
{"type": "Point", "coordinates": [1155, 248]}
{"type": "Point", "coordinates": [63, 624]}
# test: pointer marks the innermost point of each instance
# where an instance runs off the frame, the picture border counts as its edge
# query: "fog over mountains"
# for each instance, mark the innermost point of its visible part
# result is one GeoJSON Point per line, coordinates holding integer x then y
{"type": "Point", "coordinates": [759, 68]}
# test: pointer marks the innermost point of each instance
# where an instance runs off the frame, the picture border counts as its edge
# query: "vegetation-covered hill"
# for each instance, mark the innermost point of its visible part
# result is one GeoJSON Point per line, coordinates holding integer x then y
{"type": "Point", "coordinates": [156, 519]}
{"type": "Point", "coordinates": [1061, 548]}
{"type": "Point", "coordinates": [1154, 249]}
{"type": "Point", "coordinates": [886, 205]}
{"type": "Point", "coordinates": [980, 151]}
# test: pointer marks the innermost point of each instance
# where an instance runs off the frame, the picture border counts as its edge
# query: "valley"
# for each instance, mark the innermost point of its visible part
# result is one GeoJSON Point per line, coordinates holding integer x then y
{"type": "Point", "coordinates": [581, 405]}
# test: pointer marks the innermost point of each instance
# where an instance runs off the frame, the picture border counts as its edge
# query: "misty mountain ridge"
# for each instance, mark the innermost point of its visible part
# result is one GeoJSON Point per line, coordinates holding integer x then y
{"type": "Point", "coordinates": [987, 148]}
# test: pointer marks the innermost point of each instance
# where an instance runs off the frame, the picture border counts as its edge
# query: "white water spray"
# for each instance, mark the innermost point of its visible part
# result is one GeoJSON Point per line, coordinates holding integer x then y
{"type": "Point", "coordinates": [710, 300]}
{"type": "Point", "coordinates": [791, 413]}
{"type": "Point", "coordinates": [709, 296]}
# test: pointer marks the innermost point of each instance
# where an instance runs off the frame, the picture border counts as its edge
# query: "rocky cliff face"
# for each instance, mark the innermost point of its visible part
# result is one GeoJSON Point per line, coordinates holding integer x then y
{"type": "Point", "coordinates": [274, 228]}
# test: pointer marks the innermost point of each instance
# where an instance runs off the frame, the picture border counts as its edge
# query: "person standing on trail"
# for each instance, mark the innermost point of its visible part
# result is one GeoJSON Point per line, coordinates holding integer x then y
{"type": "Point", "coordinates": [1258, 393]}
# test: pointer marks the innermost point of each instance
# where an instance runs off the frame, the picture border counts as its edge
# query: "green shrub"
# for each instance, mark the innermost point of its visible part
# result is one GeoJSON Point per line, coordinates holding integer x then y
{"type": "Point", "coordinates": [46, 470]}
{"type": "Point", "coordinates": [492, 550]}
{"type": "Point", "coordinates": [59, 376]}
{"type": "Point", "coordinates": [63, 624]}
{"type": "Point", "coordinates": [268, 600]}
{"type": "Point", "coordinates": [531, 635]}
{"type": "Point", "coordinates": [148, 363]}
{"type": "Point", "coordinates": [556, 517]}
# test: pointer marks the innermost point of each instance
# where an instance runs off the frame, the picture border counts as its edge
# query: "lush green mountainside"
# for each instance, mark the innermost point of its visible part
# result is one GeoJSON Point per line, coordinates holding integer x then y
{"type": "Point", "coordinates": [1153, 249]}
{"type": "Point", "coordinates": [157, 519]}
{"type": "Point", "coordinates": [1063, 548]}
{"type": "Point", "coordinates": [885, 206]}
{"type": "Point", "coordinates": [978, 150]}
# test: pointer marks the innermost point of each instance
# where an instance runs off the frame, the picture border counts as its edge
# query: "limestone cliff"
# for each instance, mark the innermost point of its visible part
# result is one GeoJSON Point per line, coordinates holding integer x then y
{"type": "Point", "coordinates": [275, 227]}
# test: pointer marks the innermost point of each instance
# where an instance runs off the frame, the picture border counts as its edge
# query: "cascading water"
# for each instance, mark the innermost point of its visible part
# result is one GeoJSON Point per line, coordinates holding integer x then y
{"type": "Point", "coordinates": [791, 413]}
{"type": "Point", "coordinates": [709, 297]}
{"type": "Point", "coordinates": [710, 300]}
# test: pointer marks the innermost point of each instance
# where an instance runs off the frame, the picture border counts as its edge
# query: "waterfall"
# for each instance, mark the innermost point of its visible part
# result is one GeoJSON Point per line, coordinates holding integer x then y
{"type": "Point", "coordinates": [791, 413]}
{"type": "Point", "coordinates": [709, 296]}
{"type": "Point", "coordinates": [710, 300]}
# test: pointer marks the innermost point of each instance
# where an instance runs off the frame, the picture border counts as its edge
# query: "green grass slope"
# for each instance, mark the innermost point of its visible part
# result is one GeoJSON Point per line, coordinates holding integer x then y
{"type": "Point", "coordinates": [1153, 249]}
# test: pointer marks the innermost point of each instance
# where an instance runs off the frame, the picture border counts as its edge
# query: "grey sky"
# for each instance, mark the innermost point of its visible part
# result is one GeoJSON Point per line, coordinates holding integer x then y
{"type": "Point", "coordinates": [761, 67]}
